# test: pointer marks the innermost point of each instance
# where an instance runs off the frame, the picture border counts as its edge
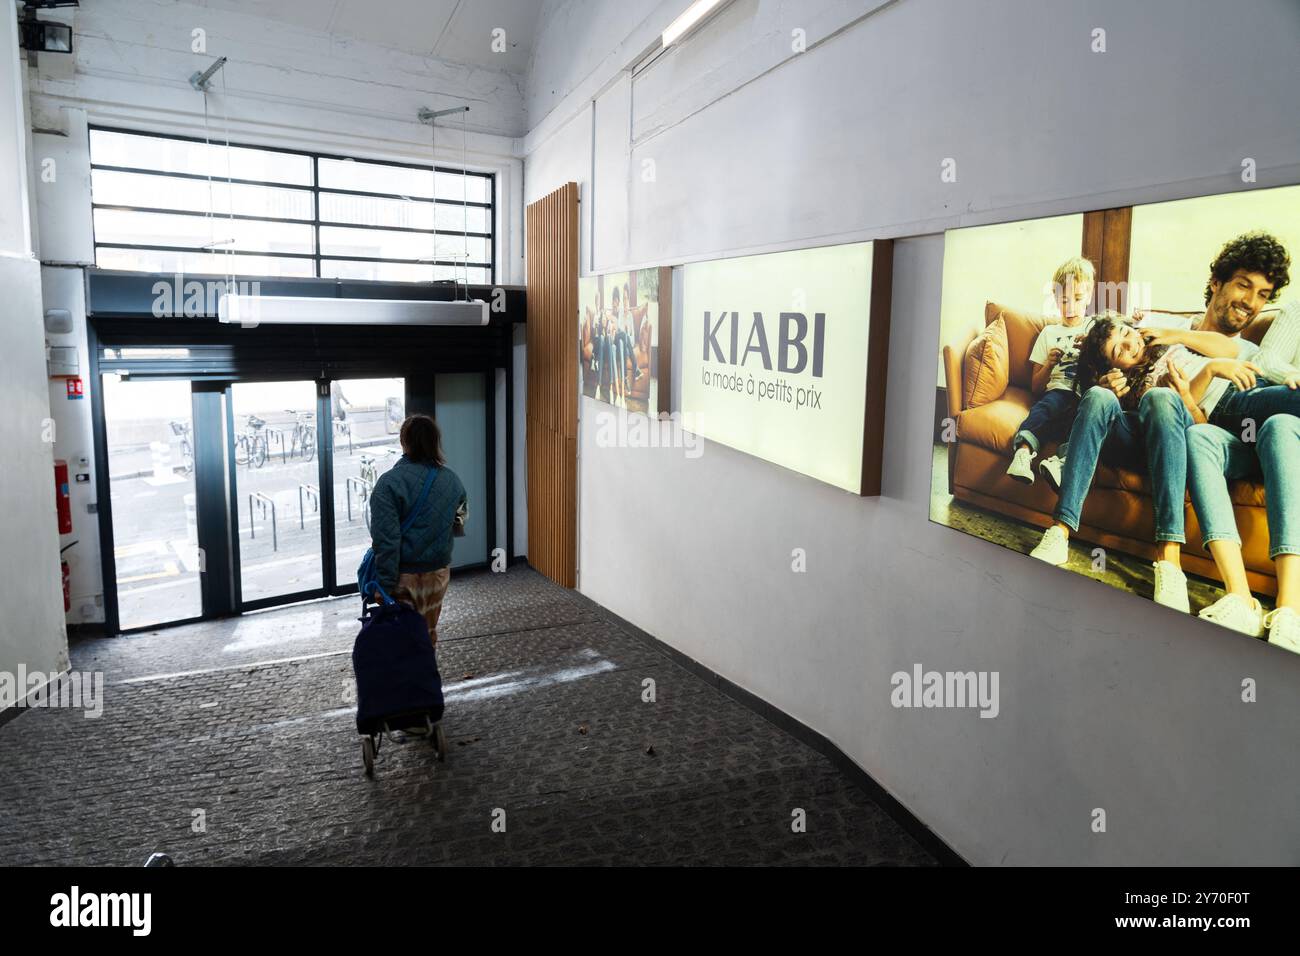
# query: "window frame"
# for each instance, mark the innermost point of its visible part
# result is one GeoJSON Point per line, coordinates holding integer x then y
{"type": "Point", "coordinates": [315, 221]}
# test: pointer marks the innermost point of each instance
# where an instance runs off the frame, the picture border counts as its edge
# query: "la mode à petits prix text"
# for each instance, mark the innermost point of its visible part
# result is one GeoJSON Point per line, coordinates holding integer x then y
{"type": "Point", "coordinates": [793, 356]}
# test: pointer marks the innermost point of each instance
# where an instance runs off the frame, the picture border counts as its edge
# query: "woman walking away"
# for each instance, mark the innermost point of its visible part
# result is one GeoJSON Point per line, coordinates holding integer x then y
{"type": "Point", "coordinates": [414, 564]}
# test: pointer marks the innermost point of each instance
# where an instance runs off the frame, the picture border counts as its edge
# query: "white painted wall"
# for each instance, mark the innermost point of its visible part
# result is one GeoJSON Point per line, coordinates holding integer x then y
{"type": "Point", "coordinates": [1107, 700]}
{"type": "Point", "coordinates": [61, 186]}
{"type": "Point", "coordinates": [579, 46]}
{"type": "Point", "coordinates": [31, 602]}
{"type": "Point", "coordinates": [64, 287]}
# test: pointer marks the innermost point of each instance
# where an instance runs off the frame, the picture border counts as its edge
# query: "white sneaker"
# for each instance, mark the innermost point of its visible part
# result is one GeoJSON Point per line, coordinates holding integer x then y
{"type": "Point", "coordinates": [1284, 629]}
{"type": "Point", "coordinates": [1054, 548]}
{"type": "Point", "coordinates": [1050, 468]}
{"type": "Point", "coordinates": [1022, 465]}
{"type": "Point", "coordinates": [1171, 587]}
{"type": "Point", "coordinates": [1234, 611]}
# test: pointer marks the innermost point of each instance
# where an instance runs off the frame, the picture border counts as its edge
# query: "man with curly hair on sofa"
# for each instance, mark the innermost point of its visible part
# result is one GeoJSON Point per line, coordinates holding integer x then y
{"type": "Point", "coordinates": [1244, 278]}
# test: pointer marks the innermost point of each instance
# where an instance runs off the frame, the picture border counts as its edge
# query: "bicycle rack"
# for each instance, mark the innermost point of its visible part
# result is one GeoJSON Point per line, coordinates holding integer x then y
{"type": "Point", "coordinates": [313, 495]}
{"type": "Point", "coordinates": [278, 433]}
{"type": "Point", "coordinates": [263, 502]}
{"type": "Point", "coordinates": [363, 492]}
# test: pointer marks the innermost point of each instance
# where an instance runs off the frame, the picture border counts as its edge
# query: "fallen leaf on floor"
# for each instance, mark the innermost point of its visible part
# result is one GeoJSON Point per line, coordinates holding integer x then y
{"type": "Point", "coordinates": [582, 729]}
{"type": "Point", "coordinates": [650, 750]}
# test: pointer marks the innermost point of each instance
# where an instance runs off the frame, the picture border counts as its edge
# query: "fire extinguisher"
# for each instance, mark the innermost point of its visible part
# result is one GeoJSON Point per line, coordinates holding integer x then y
{"type": "Point", "coordinates": [61, 494]}
{"type": "Point", "coordinates": [67, 579]}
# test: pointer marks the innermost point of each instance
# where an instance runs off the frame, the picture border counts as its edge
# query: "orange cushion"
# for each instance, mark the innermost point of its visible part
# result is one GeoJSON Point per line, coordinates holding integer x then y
{"type": "Point", "coordinates": [984, 373]}
{"type": "Point", "coordinates": [1022, 332]}
{"type": "Point", "coordinates": [994, 424]}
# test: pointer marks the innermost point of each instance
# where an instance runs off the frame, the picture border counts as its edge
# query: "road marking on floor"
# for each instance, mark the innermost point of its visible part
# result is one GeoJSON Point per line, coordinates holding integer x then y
{"type": "Point", "coordinates": [140, 548]}
{"type": "Point", "coordinates": [481, 688]}
{"type": "Point", "coordinates": [562, 676]}
{"type": "Point", "coordinates": [169, 571]}
{"type": "Point", "coordinates": [297, 625]}
{"type": "Point", "coordinates": [149, 678]}
{"type": "Point", "coordinates": [186, 580]}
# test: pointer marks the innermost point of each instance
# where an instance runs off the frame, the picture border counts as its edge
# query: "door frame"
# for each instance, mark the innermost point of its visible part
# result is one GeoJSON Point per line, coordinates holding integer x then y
{"type": "Point", "coordinates": [324, 451]}
{"type": "Point", "coordinates": [219, 535]}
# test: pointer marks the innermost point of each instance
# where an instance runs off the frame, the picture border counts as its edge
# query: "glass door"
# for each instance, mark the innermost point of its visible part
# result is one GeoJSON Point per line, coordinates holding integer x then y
{"type": "Point", "coordinates": [275, 491]}
{"type": "Point", "coordinates": [150, 432]}
{"type": "Point", "coordinates": [366, 416]}
{"type": "Point", "coordinates": [462, 416]}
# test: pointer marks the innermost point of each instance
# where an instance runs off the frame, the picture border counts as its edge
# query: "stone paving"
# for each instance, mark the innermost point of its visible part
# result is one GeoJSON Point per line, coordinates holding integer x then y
{"type": "Point", "coordinates": [233, 742]}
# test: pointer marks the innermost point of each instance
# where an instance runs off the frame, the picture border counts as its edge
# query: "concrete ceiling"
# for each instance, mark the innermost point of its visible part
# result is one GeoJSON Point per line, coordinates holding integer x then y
{"type": "Point", "coordinates": [458, 31]}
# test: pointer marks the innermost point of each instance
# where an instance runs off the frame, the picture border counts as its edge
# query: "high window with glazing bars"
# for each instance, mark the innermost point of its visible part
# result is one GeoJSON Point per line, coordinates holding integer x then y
{"type": "Point", "coordinates": [170, 204]}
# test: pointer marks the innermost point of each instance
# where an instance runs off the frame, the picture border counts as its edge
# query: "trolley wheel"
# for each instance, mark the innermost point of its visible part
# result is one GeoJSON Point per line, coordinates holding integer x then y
{"type": "Point", "coordinates": [368, 755]}
{"type": "Point", "coordinates": [440, 742]}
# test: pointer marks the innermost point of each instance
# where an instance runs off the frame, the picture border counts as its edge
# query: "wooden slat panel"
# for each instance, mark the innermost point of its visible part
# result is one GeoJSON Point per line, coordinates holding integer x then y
{"type": "Point", "coordinates": [552, 395]}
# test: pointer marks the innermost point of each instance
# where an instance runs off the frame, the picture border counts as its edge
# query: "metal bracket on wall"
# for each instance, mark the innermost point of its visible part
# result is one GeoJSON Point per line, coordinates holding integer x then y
{"type": "Point", "coordinates": [200, 80]}
{"type": "Point", "coordinates": [427, 116]}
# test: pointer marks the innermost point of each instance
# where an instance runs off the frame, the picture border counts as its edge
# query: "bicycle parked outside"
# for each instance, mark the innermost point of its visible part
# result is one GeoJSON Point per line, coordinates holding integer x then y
{"type": "Point", "coordinates": [369, 475]}
{"type": "Point", "coordinates": [303, 438]}
{"type": "Point", "coordinates": [251, 447]}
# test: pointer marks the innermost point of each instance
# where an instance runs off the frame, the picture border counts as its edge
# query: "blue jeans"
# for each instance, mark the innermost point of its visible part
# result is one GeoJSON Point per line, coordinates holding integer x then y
{"type": "Point", "coordinates": [629, 355]}
{"type": "Point", "coordinates": [1215, 456]}
{"type": "Point", "coordinates": [1258, 404]}
{"type": "Point", "coordinates": [1049, 419]}
{"type": "Point", "coordinates": [1153, 439]}
{"type": "Point", "coordinates": [605, 352]}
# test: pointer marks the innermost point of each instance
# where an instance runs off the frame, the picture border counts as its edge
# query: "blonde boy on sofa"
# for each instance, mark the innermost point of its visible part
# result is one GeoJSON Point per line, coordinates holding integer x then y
{"type": "Point", "coordinates": [1055, 356]}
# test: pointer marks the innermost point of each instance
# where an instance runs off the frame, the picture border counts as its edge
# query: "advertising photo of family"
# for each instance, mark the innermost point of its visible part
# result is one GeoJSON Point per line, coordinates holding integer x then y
{"type": "Point", "coordinates": [1119, 395]}
{"type": "Point", "coordinates": [618, 340]}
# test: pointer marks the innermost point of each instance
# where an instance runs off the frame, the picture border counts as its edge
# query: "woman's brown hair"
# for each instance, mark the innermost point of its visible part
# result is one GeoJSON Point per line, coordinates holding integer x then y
{"type": "Point", "coordinates": [422, 440]}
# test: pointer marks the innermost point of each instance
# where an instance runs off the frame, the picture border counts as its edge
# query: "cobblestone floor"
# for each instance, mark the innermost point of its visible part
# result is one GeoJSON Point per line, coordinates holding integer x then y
{"type": "Point", "coordinates": [233, 742]}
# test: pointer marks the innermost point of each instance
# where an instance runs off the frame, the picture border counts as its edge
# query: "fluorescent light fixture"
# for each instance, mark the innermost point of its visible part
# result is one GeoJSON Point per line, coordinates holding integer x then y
{"type": "Point", "coordinates": [693, 14]}
{"type": "Point", "coordinates": [317, 310]}
{"type": "Point", "coordinates": [155, 353]}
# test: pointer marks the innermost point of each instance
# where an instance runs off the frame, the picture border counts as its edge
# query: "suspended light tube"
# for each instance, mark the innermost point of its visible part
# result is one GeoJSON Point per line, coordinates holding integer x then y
{"type": "Point", "coordinates": [240, 309]}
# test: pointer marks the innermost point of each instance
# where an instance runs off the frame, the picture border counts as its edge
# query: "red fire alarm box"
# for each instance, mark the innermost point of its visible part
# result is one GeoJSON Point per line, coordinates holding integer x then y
{"type": "Point", "coordinates": [62, 497]}
{"type": "Point", "coordinates": [76, 388]}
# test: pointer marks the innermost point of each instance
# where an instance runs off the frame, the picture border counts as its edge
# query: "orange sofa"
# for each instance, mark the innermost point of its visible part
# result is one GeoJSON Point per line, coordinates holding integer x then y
{"type": "Point", "coordinates": [1118, 513]}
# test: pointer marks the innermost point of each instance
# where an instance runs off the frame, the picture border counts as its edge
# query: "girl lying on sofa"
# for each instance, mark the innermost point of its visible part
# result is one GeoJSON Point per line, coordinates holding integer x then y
{"type": "Point", "coordinates": [1141, 389]}
{"type": "Point", "coordinates": [1244, 426]}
